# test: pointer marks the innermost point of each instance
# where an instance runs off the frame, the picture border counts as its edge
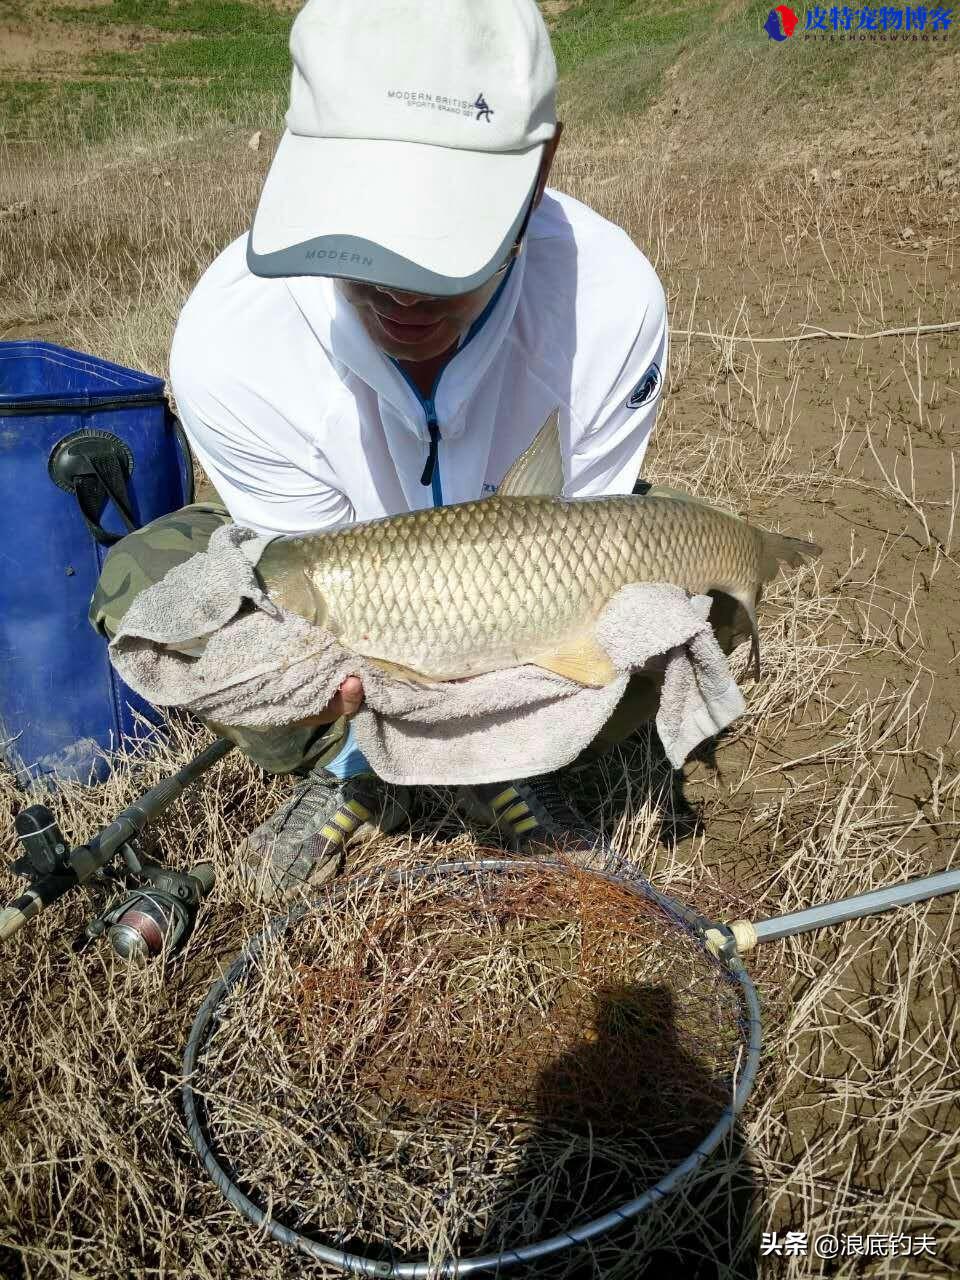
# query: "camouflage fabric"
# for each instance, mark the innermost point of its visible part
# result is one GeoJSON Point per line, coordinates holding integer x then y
{"type": "Point", "coordinates": [287, 750]}
{"type": "Point", "coordinates": [143, 558]}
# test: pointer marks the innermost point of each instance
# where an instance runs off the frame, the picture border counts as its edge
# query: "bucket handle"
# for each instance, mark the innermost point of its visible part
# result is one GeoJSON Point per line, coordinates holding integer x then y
{"type": "Point", "coordinates": [95, 466]}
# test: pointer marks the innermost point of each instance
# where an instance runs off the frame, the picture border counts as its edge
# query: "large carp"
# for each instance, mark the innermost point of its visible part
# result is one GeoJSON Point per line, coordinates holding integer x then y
{"type": "Point", "coordinates": [518, 577]}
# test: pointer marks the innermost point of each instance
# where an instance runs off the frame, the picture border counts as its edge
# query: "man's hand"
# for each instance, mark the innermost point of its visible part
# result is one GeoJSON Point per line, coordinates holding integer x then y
{"type": "Point", "coordinates": [344, 703]}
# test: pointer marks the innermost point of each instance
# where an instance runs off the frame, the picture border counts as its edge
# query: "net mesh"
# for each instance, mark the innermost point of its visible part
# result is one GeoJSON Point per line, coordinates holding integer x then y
{"type": "Point", "coordinates": [468, 1064]}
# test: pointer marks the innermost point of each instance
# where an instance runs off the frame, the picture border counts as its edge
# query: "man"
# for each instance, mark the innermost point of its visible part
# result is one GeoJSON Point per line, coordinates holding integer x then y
{"type": "Point", "coordinates": [410, 306]}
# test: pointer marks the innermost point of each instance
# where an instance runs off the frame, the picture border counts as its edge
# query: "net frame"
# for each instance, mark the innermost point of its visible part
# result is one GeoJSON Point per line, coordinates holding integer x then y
{"type": "Point", "coordinates": [358, 1264]}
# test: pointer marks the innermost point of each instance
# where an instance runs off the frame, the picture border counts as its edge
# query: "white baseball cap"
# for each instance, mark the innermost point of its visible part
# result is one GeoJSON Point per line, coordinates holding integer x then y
{"type": "Point", "coordinates": [413, 142]}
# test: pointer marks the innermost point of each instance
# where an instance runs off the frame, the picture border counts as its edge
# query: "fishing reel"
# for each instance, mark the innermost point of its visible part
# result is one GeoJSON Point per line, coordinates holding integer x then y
{"type": "Point", "coordinates": [159, 910]}
{"type": "Point", "coordinates": [160, 914]}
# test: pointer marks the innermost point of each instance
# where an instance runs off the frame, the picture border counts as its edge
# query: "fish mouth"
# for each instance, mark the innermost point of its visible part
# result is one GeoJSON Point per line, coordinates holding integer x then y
{"type": "Point", "coordinates": [408, 331]}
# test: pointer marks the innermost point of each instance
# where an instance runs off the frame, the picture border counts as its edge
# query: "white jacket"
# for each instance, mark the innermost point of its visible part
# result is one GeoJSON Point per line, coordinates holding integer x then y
{"type": "Point", "coordinates": [303, 424]}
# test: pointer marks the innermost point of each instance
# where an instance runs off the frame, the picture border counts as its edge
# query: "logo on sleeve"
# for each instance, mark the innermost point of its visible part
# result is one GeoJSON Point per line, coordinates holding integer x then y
{"type": "Point", "coordinates": [646, 388]}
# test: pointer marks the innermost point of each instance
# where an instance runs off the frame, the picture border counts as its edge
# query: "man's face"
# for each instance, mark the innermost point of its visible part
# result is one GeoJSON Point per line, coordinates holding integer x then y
{"type": "Point", "coordinates": [414, 326]}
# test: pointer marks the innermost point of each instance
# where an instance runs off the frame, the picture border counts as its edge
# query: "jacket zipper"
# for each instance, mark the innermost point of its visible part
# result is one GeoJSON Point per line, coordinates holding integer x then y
{"type": "Point", "coordinates": [431, 472]}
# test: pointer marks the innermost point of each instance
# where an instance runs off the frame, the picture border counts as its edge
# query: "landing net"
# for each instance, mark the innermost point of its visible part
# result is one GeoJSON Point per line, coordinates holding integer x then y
{"type": "Point", "coordinates": [446, 1069]}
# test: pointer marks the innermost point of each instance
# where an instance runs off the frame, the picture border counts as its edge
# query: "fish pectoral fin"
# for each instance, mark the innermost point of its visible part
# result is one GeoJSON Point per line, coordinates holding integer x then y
{"type": "Point", "coordinates": [538, 472]}
{"type": "Point", "coordinates": [400, 672]}
{"type": "Point", "coordinates": [288, 582]}
{"type": "Point", "coordinates": [581, 660]}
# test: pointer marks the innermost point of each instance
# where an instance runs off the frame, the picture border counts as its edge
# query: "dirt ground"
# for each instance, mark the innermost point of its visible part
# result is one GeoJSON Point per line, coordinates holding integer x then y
{"type": "Point", "coordinates": [813, 283]}
{"type": "Point", "coordinates": [33, 43]}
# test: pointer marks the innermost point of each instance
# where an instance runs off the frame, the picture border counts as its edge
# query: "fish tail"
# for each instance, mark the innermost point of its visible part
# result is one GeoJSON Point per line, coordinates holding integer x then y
{"type": "Point", "coordinates": [778, 548]}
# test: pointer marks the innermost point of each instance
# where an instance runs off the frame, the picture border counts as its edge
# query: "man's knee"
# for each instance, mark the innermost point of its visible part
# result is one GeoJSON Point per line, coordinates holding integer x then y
{"type": "Point", "coordinates": [146, 555]}
{"type": "Point", "coordinates": [283, 750]}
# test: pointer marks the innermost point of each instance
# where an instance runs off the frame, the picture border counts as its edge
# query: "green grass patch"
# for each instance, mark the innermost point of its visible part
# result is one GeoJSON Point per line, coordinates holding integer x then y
{"type": "Point", "coordinates": [611, 54]}
{"type": "Point", "coordinates": [799, 73]}
{"type": "Point", "coordinates": [97, 110]}
{"type": "Point", "coordinates": [806, 68]}
{"type": "Point", "coordinates": [231, 57]}
{"type": "Point", "coordinates": [217, 18]}
{"type": "Point", "coordinates": [224, 56]}
{"type": "Point", "coordinates": [262, 63]}
{"type": "Point", "coordinates": [600, 29]}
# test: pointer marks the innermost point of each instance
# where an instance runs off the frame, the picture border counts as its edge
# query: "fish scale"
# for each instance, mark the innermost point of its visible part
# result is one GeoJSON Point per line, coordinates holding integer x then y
{"type": "Point", "coordinates": [454, 591]}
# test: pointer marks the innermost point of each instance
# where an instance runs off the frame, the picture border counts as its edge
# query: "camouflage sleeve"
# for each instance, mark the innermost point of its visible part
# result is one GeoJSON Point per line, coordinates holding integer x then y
{"type": "Point", "coordinates": [141, 559]}
{"type": "Point", "coordinates": [144, 556]}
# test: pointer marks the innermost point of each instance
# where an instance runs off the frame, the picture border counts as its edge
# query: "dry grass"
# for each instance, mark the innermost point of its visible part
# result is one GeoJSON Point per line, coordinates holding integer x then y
{"type": "Point", "coordinates": [425, 1025]}
{"type": "Point", "coordinates": [842, 776]}
{"type": "Point", "coordinates": [103, 243]}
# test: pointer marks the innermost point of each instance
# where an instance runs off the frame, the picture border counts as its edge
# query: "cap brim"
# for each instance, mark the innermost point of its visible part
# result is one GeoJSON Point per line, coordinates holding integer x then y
{"type": "Point", "coordinates": [421, 218]}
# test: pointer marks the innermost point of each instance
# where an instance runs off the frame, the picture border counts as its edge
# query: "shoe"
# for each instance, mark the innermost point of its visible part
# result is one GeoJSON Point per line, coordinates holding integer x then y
{"type": "Point", "coordinates": [303, 844]}
{"type": "Point", "coordinates": [535, 817]}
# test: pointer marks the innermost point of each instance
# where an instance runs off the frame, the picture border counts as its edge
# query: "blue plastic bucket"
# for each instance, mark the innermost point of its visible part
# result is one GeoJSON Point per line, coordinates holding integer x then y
{"type": "Point", "coordinates": [88, 450]}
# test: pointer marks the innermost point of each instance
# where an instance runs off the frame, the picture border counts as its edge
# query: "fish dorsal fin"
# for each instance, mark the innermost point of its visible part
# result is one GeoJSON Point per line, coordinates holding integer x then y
{"type": "Point", "coordinates": [581, 659]}
{"type": "Point", "coordinates": [538, 472]}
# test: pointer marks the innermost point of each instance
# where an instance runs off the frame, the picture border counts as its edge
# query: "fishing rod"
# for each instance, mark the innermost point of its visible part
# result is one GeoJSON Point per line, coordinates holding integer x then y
{"type": "Point", "coordinates": [162, 907]}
